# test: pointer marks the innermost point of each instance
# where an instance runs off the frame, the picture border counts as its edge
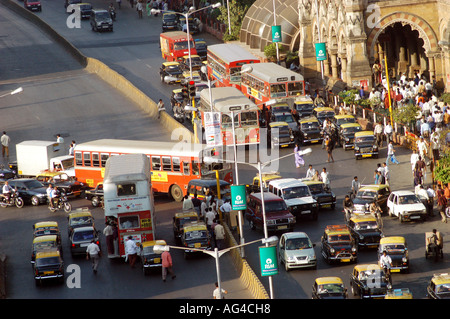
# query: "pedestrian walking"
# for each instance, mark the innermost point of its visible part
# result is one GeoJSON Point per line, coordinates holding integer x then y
{"type": "Point", "coordinates": [139, 9]}
{"type": "Point", "coordinates": [109, 235]}
{"type": "Point", "coordinates": [187, 203]}
{"type": "Point", "coordinates": [386, 174]}
{"type": "Point", "coordinates": [5, 140]}
{"type": "Point", "coordinates": [299, 161]}
{"type": "Point", "coordinates": [131, 251]}
{"type": "Point", "coordinates": [441, 203]}
{"type": "Point", "coordinates": [325, 178]}
{"type": "Point", "coordinates": [119, 2]}
{"type": "Point", "coordinates": [167, 265]}
{"type": "Point", "coordinates": [378, 131]}
{"type": "Point", "coordinates": [161, 108]}
{"type": "Point", "coordinates": [219, 293]}
{"type": "Point", "coordinates": [391, 154]}
{"type": "Point", "coordinates": [329, 145]}
{"type": "Point", "coordinates": [388, 132]}
{"type": "Point", "coordinates": [219, 232]}
{"type": "Point", "coordinates": [93, 253]}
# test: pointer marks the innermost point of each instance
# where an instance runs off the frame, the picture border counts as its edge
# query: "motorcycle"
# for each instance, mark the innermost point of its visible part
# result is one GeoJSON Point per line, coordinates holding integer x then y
{"type": "Point", "coordinates": [112, 13]}
{"type": "Point", "coordinates": [62, 204]}
{"type": "Point", "coordinates": [14, 199]}
{"type": "Point", "coordinates": [179, 116]}
{"type": "Point", "coordinates": [387, 276]}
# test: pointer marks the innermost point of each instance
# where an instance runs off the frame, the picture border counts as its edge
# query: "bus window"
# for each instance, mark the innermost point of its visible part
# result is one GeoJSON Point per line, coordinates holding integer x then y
{"type": "Point", "coordinates": [186, 169]}
{"type": "Point", "coordinates": [249, 118]}
{"type": "Point", "coordinates": [235, 74]}
{"type": "Point", "coordinates": [176, 164]}
{"type": "Point", "coordinates": [104, 158]}
{"type": "Point", "coordinates": [278, 90]}
{"type": "Point", "coordinates": [127, 222]}
{"type": "Point", "coordinates": [295, 88]}
{"type": "Point", "coordinates": [87, 159]}
{"type": "Point", "coordinates": [195, 168]}
{"type": "Point", "coordinates": [78, 159]}
{"type": "Point", "coordinates": [226, 121]}
{"type": "Point", "coordinates": [126, 189]}
{"type": "Point", "coordinates": [166, 164]}
{"type": "Point", "coordinates": [95, 160]}
{"type": "Point", "coordinates": [156, 163]}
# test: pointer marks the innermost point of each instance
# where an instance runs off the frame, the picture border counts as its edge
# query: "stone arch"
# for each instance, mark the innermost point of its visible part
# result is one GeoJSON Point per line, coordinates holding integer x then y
{"type": "Point", "coordinates": [425, 31]}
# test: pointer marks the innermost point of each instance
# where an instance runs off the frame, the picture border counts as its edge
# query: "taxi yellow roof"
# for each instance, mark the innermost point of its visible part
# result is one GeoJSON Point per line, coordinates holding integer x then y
{"type": "Point", "coordinates": [46, 224]}
{"type": "Point", "coordinates": [329, 280]}
{"type": "Point", "coordinates": [367, 267]}
{"type": "Point", "coordinates": [374, 187]}
{"type": "Point", "coordinates": [194, 227]}
{"type": "Point", "coordinates": [45, 238]}
{"type": "Point", "coordinates": [186, 214]}
{"type": "Point", "coordinates": [80, 214]}
{"type": "Point", "coordinates": [392, 240]}
{"type": "Point", "coordinates": [192, 56]}
{"type": "Point", "coordinates": [363, 218]}
{"type": "Point", "coordinates": [278, 124]}
{"type": "Point", "coordinates": [171, 63]}
{"type": "Point", "coordinates": [153, 243]}
{"type": "Point", "coordinates": [323, 108]}
{"type": "Point", "coordinates": [344, 116]}
{"type": "Point", "coordinates": [337, 229]}
{"type": "Point", "coordinates": [309, 119]}
{"type": "Point", "coordinates": [345, 125]}
{"type": "Point", "coordinates": [364, 133]}
{"type": "Point", "coordinates": [440, 279]}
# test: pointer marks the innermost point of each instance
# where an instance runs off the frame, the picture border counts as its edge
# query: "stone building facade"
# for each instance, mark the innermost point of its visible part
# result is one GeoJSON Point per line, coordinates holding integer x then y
{"type": "Point", "coordinates": [414, 36]}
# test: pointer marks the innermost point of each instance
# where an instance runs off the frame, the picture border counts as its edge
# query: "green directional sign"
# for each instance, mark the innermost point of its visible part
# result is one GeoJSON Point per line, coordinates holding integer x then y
{"type": "Point", "coordinates": [321, 51]}
{"type": "Point", "coordinates": [238, 197]}
{"type": "Point", "coordinates": [268, 260]}
{"type": "Point", "coordinates": [276, 33]}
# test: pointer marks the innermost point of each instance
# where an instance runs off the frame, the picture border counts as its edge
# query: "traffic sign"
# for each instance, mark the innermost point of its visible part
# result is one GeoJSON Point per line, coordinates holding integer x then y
{"type": "Point", "coordinates": [268, 260]}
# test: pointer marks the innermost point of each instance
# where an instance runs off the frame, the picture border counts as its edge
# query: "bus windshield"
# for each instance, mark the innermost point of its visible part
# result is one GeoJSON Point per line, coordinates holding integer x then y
{"type": "Point", "coordinates": [295, 88]}
{"type": "Point", "coordinates": [249, 118]}
{"type": "Point", "coordinates": [183, 45]}
{"type": "Point", "coordinates": [278, 90]}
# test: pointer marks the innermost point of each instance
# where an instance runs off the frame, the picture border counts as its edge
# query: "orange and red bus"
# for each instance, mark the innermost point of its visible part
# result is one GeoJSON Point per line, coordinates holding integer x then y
{"type": "Point", "coordinates": [229, 103]}
{"type": "Point", "coordinates": [173, 164]}
{"type": "Point", "coordinates": [225, 61]}
{"type": "Point", "coordinates": [270, 81]}
{"type": "Point", "coordinates": [174, 45]}
{"type": "Point", "coordinates": [128, 201]}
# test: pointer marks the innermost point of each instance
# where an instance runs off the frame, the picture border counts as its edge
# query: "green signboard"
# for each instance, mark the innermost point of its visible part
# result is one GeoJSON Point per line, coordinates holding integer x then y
{"type": "Point", "coordinates": [276, 33]}
{"type": "Point", "coordinates": [321, 51]}
{"type": "Point", "coordinates": [268, 260]}
{"type": "Point", "coordinates": [238, 197]}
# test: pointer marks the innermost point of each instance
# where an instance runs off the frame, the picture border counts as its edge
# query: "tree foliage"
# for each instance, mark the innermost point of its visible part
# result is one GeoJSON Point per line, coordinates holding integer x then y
{"type": "Point", "coordinates": [238, 9]}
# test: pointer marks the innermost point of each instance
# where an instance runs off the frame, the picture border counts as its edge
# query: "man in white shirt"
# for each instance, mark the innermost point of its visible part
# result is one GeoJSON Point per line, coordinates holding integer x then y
{"type": "Point", "coordinates": [5, 140]}
{"type": "Point", "coordinates": [219, 233]}
{"type": "Point", "coordinates": [422, 147]}
{"type": "Point", "coordinates": [388, 132]}
{"type": "Point", "coordinates": [378, 131]}
{"type": "Point", "coordinates": [131, 251]}
{"type": "Point", "coordinates": [6, 190]}
{"type": "Point", "coordinates": [414, 159]}
{"type": "Point", "coordinates": [310, 172]}
{"type": "Point", "coordinates": [325, 179]}
{"type": "Point", "coordinates": [93, 252]}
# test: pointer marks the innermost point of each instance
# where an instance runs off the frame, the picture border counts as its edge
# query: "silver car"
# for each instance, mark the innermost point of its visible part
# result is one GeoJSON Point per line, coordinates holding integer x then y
{"type": "Point", "coordinates": [81, 238]}
{"type": "Point", "coordinates": [297, 251]}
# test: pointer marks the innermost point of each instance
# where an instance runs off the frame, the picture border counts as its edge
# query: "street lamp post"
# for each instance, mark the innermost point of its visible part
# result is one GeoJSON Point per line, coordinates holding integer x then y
{"type": "Point", "coordinates": [16, 91]}
{"type": "Point", "coordinates": [216, 254]}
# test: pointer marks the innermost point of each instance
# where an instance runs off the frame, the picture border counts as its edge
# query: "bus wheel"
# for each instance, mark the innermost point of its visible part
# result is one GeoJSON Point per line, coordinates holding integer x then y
{"type": "Point", "coordinates": [176, 193]}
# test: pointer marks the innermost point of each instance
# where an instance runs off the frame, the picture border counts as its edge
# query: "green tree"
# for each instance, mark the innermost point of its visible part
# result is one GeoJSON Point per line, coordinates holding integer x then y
{"type": "Point", "coordinates": [238, 9]}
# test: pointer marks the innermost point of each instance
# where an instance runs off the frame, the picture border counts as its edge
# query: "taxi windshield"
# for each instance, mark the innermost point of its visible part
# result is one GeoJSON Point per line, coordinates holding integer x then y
{"type": "Point", "coordinates": [326, 114]}
{"type": "Point", "coordinates": [310, 125]}
{"type": "Point", "coordinates": [366, 225]}
{"type": "Point", "coordinates": [172, 68]}
{"type": "Point", "coordinates": [394, 248]}
{"type": "Point", "coordinates": [346, 120]}
{"type": "Point", "coordinates": [298, 244]}
{"type": "Point", "coordinates": [44, 245]}
{"type": "Point", "coordinates": [366, 193]}
{"type": "Point", "coordinates": [196, 234]}
{"type": "Point", "coordinates": [295, 192]}
{"type": "Point", "coordinates": [349, 130]}
{"type": "Point", "coordinates": [331, 289]}
{"type": "Point", "coordinates": [443, 289]}
{"type": "Point", "coordinates": [365, 139]}
{"type": "Point", "coordinates": [371, 274]}
{"type": "Point", "coordinates": [284, 118]}
{"type": "Point", "coordinates": [46, 231]}
{"type": "Point", "coordinates": [339, 238]}
{"type": "Point", "coordinates": [48, 261]}
{"type": "Point", "coordinates": [316, 188]}
{"type": "Point", "coordinates": [185, 220]}
{"type": "Point", "coordinates": [148, 250]}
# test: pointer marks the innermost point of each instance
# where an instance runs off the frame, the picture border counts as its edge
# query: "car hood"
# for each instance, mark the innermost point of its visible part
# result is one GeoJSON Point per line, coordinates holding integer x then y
{"type": "Point", "coordinates": [363, 144]}
{"type": "Point", "coordinates": [362, 200]}
{"type": "Point", "coordinates": [277, 215]}
{"type": "Point", "coordinates": [299, 201]}
{"type": "Point", "coordinates": [309, 131]}
{"type": "Point", "coordinates": [411, 207]}
{"type": "Point", "coordinates": [37, 191]}
{"type": "Point", "coordinates": [341, 246]}
{"type": "Point", "coordinates": [307, 252]}
{"type": "Point", "coordinates": [369, 232]}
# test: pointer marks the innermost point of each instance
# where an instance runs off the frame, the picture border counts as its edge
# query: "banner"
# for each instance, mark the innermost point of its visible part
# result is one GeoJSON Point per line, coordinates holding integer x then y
{"type": "Point", "coordinates": [238, 197]}
{"type": "Point", "coordinates": [276, 33]}
{"type": "Point", "coordinates": [321, 51]}
{"type": "Point", "coordinates": [213, 132]}
{"type": "Point", "coordinates": [268, 260]}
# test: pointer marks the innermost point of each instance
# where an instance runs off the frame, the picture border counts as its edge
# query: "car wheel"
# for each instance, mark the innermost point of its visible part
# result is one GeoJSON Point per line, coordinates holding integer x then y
{"type": "Point", "coordinates": [252, 225]}
{"type": "Point", "coordinates": [35, 201]}
{"type": "Point", "coordinates": [390, 213]}
{"type": "Point", "coordinates": [400, 218]}
{"type": "Point", "coordinates": [95, 201]}
{"type": "Point", "coordinates": [286, 267]}
{"type": "Point", "coordinates": [354, 292]}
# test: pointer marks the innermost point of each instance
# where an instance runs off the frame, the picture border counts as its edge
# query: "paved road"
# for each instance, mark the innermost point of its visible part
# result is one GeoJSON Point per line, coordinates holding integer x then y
{"type": "Point", "coordinates": [60, 97]}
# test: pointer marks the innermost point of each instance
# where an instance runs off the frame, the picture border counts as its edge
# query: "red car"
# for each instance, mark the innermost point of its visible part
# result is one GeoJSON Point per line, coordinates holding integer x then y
{"type": "Point", "coordinates": [33, 5]}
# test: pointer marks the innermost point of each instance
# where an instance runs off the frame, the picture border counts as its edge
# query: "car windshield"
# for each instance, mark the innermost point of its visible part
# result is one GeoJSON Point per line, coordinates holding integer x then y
{"type": "Point", "coordinates": [443, 289]}
{"type": "Point", "coordinates": [365, 139]}
{"type": "Point", "coordinates": [349, 130]}
{"type": "Point", "coordinates": [86, 235]}
{"type": "Point", "coordinates": [331, 289]}
{"type": "Point", "coordinates": [295, 192]}
{"type": "Point", "coordinates": [281, 108]}
{"type": "Point", "coordinates": [102, 15]}
{"type": "Point", "coordinates": [85, 6]}
{"type": "Point", "coordinates": [329, 114]}
{"type": "Point", "coordinates": [183, 45]}
{"type": "Point", "coordinates": [47, 261]}
{"type": "Point", "coordinates": [169, 17]}
{"type": "Point", "coordinates": [41, 231]}
{"type": "Point", "coordinates": [298, 244]}
{"type": "Point", "coordinates": [366, 225]}
{"type": "Point", "coordinates": [284, 118]}
{"type": "Point", "coordinates": [148, 250]}
{"type": "Point", "coordinates": [408, 199]}
{"type": "Point", "coordinates": [196, 234]}
{"type": "Point", "coordinates": [173, 68]}
{"type": "Point", "coordinates": [316, 188]}
{"type": "Point", "coordinates": [185, 220]}
{"type": "Point", "coordinates": [308, 106]}
{"type": "Point", "coordinates": [346, 120]}
{"type": "Point", "coordinates": [310, 126]}
{"type": "Point", "coordinates": [275, 206]}
{"type": "Point", "coordinates": [200, 45]}
{"type": "Point", "coordinates": [44, 245]}
{"type": "Point", "coordinates": [33, 184]}
{"type": "Point", "coordinates": [339, 238]}
{"type": "Point", "coordinates": [82, 220]}
{"type": "Point", "coordinates": [366, 194]}
{"type": "Point", "coordinates": [394, 248]}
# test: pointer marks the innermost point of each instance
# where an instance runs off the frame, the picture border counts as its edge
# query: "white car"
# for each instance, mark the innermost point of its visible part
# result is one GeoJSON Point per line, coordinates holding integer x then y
{"type": "Point", "coordinates": [405, 205]}
{"type": "Point", "coordinates": [297, 251]}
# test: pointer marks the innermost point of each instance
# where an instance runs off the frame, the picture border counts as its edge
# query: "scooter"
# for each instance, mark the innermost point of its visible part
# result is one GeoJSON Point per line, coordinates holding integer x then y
{"type": "Point", "coordinates": [179, 116]}
{"type": "Point", "coordinates": [14, 199]}
{"type": "Point", "coordinates": [112, 13]}
{"type": "Point", "coordinates": [62, 204]}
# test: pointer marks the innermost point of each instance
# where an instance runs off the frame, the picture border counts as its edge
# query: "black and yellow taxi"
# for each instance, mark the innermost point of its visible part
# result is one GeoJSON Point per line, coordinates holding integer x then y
{"type": "Point", "coordinates": [65, 183]}
{"type": "Point", "coordinates": [366, 230]}
{"type": "Point", "coordinates": [399, 293]}
{"type": "Point", "coordinates": [324, 112]}
{"type": "Point", "coordinates": [338, 245]}
{"type": "Point", "coordinates": [169, 21]}
{"type": "Point", "coordinates": [194, 61]}
{"type": "Point", "coordinates": [201, 186]}
{"type": "Point", "coordinates": [323, 195]}
{"type": "Point", "coordinates": [347, 133]}
{"type": "Point", "coordinates": [181, 219]}
{"type": "Point", "coordinates": [46, 228]}
{"type": "Point", "coordinates": [48, 265]}
{"type": "Point", "coordinates": [331, 287]}
{"type": "Point", "coordinates": [79, 218]}
{"type": "Point", "coordinates": [195, 237]}
{"type": "Point", "coordinates": [46, 242]}
{"type": "Point", "coordinates": [439, 286]}
{"type": "Point", "coordinates": [279, 134]}
{"type": "Point", "coordinates": [310, 130]}
{"type": "Point", "coordinates": [397, 249]}
{"type": "Point", "coordinates": [150, 260]}
{"type": "Point", "coordinates": [170, 72]}
{"type": "Point", "coordinates": [368, 281]}
{"type": "Point", "coordinates": [365, 145]}
{"type": "Point", "coordinates": [95, 195]}
{"type": "Point", "coordinates": [303, 107]}
{"type": "Point", "coordinates": [368, 194]}
{"type": "Point", "coordinates": [202, 48]}
{"type": "Point", "coordinates": [344, 119]}
{"type": "Point", "coordinates": [254, 187]}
